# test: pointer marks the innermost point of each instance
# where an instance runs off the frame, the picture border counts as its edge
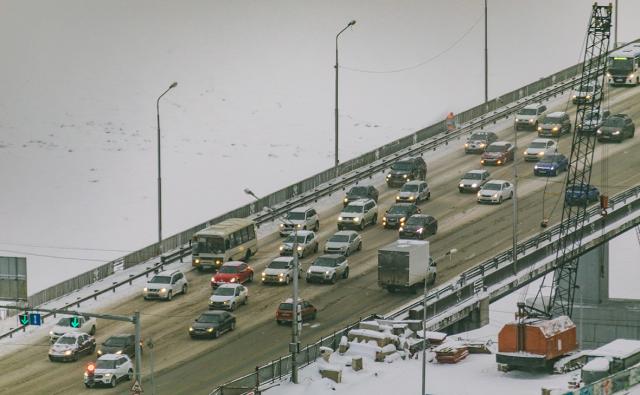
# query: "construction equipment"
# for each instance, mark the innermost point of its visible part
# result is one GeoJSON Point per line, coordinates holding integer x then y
{"type": "Point", "coordinates": [559, 303]}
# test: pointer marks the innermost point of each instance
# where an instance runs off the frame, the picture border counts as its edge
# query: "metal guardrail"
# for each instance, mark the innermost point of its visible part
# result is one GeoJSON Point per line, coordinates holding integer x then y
{"type": "Point", "coordinates": [312, 188]}
{"type": "Point", "coordinates": [169, 258]}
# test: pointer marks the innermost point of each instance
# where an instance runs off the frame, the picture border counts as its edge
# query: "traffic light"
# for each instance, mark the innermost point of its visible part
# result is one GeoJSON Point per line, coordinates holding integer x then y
{"type": "Point", "coordinates": [23, 319]}
{"type": "Point", "coordinates": [75, 321]}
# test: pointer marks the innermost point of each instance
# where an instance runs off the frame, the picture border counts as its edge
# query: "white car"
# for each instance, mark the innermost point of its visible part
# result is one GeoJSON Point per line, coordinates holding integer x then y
{"type": "Point", "coordinates": [74, 324]}
{"type": "Point", "coordinates": [327, 268]}
{"type": "Point", "coordinates": [279, 271]}
{"type": "Point", "coordinates": [358, 214]}
{"type": "Point", "coordinates": [165, 285]}
{"type": "Point", "coordinates": [343, 242]}
{"type": "Point", "coordinates": [70, 346]}
{"type": "Point", "coordinates": [228, 297]}
{"type": "Point", "coordinates": [539, 148]}
{"type": "Point", "coordinates": [495, 191]}
{"type": "Point", "coordinates": [529, 116]}
{"type": "Point", "coordinates": [302, 218]}
{"type": "Point", "coordinates": [109, 369]}
{"type": "Point", "coordinates": [413, 192]}
{"type": "Point", "coordinates": [307, 244]}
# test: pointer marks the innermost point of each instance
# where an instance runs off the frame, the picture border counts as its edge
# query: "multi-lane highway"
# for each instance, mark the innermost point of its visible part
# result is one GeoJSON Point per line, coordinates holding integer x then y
{"type": "Point", "coordinates": [185, 366]}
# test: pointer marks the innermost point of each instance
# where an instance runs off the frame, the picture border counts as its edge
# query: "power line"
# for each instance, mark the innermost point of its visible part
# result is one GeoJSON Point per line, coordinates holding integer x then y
{"type": "Point", "coordinates": [54, 256]}
{"type": "Point", "coordinates": [424, 62]}
{"type": "Point", "coordinates": [63, 248]}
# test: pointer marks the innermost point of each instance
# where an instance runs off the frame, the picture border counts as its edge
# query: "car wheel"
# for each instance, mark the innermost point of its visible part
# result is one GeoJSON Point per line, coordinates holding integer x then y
{"type": "Point", "coordinates": [185, 288]}
{"type": "Point", "coordinates": [170, 295]}
{"type": "Point", "coordinates": [247, 256]}
{"type": "Point", "coordinates": [313, 316]}
{"type": "Point", "coordinates": [345, 275]}
{"type": "Point", "coordinates": [246, 300]}
{"type": "Point", "coordinates": [113, 381]}
{"type": "Point", "coordinates": [250, 278]}
{"type": "Point", "coordinates": [315, 228]}
{"type": "Point", "coordinates": [359, 246]}
{"type": "Point", "coordinates": [511, 195]}
{"type": "Point", "coordinates": [428, 195]}
{"type": "Point", "coordinates": [315, 249]}
{"type": "Point", "coordinates": [233, 326]}
{"type": "Point", "coordinates": [333, 279]}
{"type": "Point", "coordinates": [339, 227]}
{"type": "Point", "coordinates": [130, 375]}
{"type": "Point", "coordinates": [346, 252]}
{"type": "Point", "coordinates": [500, 200]}
{"type": "Point", "coordinates": [88, 385]}
{"type": "Point", "coordinates": [555, 172]}
{"type": "Point", "coordinates": [93, 330]}
{"type": "Point", "coordinates": [232, 307]}
{"type": "Point", "coordinates": [92, 349]}
{"type": "Point", "coordinates": [287, 280]}
{"type": "Point", "coordinates": [375, 219]}
{"type": "Point", "coordinates": [362, 225]}
{"type": "Point", "coordinates": [76, 356]}
{"type": "Point", "coordinates": [308, 281]}
{"type": "Point", "coordinates": [435, 229]}
{"type": "Point", "coordinates": [216, 334]}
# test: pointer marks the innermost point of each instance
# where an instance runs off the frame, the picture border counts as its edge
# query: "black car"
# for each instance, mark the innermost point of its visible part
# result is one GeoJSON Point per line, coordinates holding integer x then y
{"type": "Point", "coordinates": [212, 324]}
{"type": "Point", "coordinates": [407, 169]}
{"type": "Point", "coordinates": [479, 141]}
{"type": "Point", "coordinates": [616, 128]}
{"type": "Point", "coordinates": [419, 226]}
{"type": "Point", "coordinates": [360, 192]}
{"type": "Point", "coordinates": [398, 214]}
{"type": "Point", "coordinates": [119, 344]}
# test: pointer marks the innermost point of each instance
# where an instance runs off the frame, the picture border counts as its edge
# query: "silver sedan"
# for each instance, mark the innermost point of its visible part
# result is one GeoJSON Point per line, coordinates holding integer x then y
{"type": "Point", "coordinates": [344, 242]}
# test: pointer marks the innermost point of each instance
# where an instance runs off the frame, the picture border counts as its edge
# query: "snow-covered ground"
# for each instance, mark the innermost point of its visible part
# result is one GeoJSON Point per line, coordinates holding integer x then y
{"type": "Point", "coordinates": [253, 108]}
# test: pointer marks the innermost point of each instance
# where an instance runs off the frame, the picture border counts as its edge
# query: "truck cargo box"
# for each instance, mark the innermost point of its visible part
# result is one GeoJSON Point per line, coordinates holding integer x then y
{"type": "Point", "coordinates": [403, 263]}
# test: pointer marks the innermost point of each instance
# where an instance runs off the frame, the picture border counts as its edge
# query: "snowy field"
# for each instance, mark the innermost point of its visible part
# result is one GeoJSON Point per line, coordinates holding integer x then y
{"type": "Point", "coordinates": [253, 107]}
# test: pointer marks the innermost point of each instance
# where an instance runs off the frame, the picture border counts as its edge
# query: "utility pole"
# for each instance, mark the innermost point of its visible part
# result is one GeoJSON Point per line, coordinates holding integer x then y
{"type": "Point", "coordinates": [336, 112]}
{"type": "Point", "coordinates": [486, 57]}
{"type": "Point", "coordinates": [151, 345]}
{"type": "Point", "coordinates": [424, 333]}
{"type": "Point", "coordinates": [615, 26]}
{"type": "Point", "coordinates": [515, 203]}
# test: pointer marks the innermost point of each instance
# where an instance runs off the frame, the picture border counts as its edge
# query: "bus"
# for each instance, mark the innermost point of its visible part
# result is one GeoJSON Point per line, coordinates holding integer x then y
{"type": "Point", "coordinates": [624, 66]}
{"type": "Point", "coordinates": [229, 240]}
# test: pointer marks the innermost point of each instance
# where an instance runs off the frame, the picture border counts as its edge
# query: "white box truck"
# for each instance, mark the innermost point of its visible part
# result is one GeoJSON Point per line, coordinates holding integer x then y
{"type": "Point", "coordinates": [404, 264]}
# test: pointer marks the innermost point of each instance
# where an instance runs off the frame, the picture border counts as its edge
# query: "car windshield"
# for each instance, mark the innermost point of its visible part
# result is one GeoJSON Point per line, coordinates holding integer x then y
{"type": "Point", "coordinates": [587, 88]}
{"type": "Point", "coordinates": [325, 262]}
{"type": "Point", "coordinates": [286, 306]}
{"type": "Point", "coordinates": [552, 120]}
{"type": "Point", "coordinates": [229, 269]}
{"type": "Point", "coordinates": [538, 144]}
{"type": "Point", "coordinates": [224, 291]}
{"type": "Point", "coordinates": [409, 188]}
{"type": "Point", "coordinates": [209, 244]}
{"type": "Point", "coordinates": [278, 265]}
{"type": "Point", "coordinates": [577, 188]}
{"type": "Point", "coordinates": [550, 158]}
{"type": "Point", "coordinates": [360, 191]}
{"type": "Point", "coordinates": [352, 208]}
{"type": "Point", "coordinates": [495, 148]}
{"type": "Point", "coordinates": [295, 216]}
{"type": "Point", "coordinates": [621, 64]}
{"type": "Point", "coordinates": [401, 166]}
{"type": "Point", "coordinates": [64, 321]}
{"type": "Point", "coordinates": [415, 221]}
{"type": "Point", "coordinates": [66, 340]}
{"type": "Point", "coordinates": [209, 318]}
{"type": "Point", "coordinates": [292, 239]}
{"type": "Point", "coordinates": [528, 111]}
{"type": "Point", "coordinates": [614, 121]}
{"type": "Point", "coordinates": [398, 209]}
{"type": "Point", "coordinates": [472, 176]}
{"type": "Point", "coordinates": [116, 342]}
{"type": "Point", "coordinates": [492, 187]}
{"type": "Point", "coordinates": [478, 136]}
{"type": "Point", "coordinates": [339, 239]}
{"type": "Point", "coordinates": [106, 364]}
{"type": "Point", "coordinates": [591, 116]}
{"type": "Point", "coordinates": [160, 280]}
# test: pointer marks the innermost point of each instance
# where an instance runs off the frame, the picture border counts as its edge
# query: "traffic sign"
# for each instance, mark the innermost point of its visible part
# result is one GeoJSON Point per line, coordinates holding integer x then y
{"type": "Point", "coordinates": [136, 388]}
{"type": "Point", "coordinates": [75, 322]}
{"type": "Point", "coordinates": [23, 318]}
{"type": "Point", "coordinates": [35, 319]}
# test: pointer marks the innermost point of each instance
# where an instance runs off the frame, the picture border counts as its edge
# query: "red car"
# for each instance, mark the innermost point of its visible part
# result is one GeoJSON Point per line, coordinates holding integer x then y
{"type": "Point", "coordinates": [285, 310]}
{"type": "Point", "coordinates": [232, 272]}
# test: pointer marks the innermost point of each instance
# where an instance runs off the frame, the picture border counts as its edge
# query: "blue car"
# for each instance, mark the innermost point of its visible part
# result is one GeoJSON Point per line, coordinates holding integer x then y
{"type": "Point", "coordinates": [581, 195]}
{"type": "Point", "coordinates": [551, 165]}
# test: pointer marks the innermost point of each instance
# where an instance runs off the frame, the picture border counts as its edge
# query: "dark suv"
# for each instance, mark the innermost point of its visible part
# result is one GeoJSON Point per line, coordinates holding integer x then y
{"type": "Point", "coordinates": [406, 170]}
{"type": "Point", "coordinates": [360, 192]}
{"type": "Point", "coordinates": [617, 127]}
{"type": "Point", "coordinates": [119, 344]}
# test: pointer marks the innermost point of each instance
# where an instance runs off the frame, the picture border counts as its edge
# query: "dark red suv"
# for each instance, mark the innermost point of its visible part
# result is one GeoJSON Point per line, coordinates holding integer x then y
{"type": "Point", "coordinates": [285, 310]}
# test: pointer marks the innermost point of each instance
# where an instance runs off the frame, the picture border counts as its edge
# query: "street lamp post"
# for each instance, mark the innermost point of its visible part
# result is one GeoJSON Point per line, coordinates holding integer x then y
{"type": "Point", "coordinates": [294, 346]}
{"type": "Point", "coordinates": [173, 85]}
{"type": "Point", "coordinates": [424, 333]}
{"type": "Point", "coordinates": [353, 22]}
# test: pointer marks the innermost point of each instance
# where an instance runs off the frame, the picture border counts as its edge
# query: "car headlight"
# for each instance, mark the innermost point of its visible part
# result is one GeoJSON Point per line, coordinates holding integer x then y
{"type": "Point", "coordinates": [397, 197]}
{"type": "Point", "coordinates": [309, 271]}
{"type": "Point", "coordinates": [482, 145]}
{"type": "Point", "coordinates": [356, 219]}
{"type": "Point", "coordinates": [107, 375]}
{"type": "Point", "coordinates": [461, 185]}
{"type": "Point", "coordinates": [541, 153]}
{"type": "Point", "coordinates": [539, 128]}
{"type": "Point", "coordinates": [466, 145]}
{"type": "Point", "coordinates": [264, 274]}
{"type": "Point", "coordinates": [197, 260]}
{"type": "Point", "coordinates": [588, 97]}
{"type": "Point", "coordinates": [517, 120]}
{"type": "Point", "coordinates": [631, 76]}
{"type": "Point", "coordinates": [145, 289]}
{"type": "Point", "coordinates": [499, 162]}
{"type": "Point", "coordinates": [226, 302]}
{"type": "Point", "coordinates": [553, 168]}
{"type": "Point", "coordinates": [163, 290]}
{"type": "Point", "coordinates": [574, 96]}
{"type": "Point", "coordinates": [405, 175]}
{"type": "Point", "coordinates": [531, 121]}
{"type": "Point", "coordinates": [299, 226]}
{"type": "Point", "coordinates": [525, 152]}
{"type": "Point", "coordinates": [190, 329]}
{"type": "Point", "coordinates": [51, 333]}
{"type": "Point", "coordinates": [299, 248]}
{"type": "Point", "coordinates": [233, 280]}
{"type": "Point", "coordinates": [388, 176]}
{"type": "Point", "coordinates": [617, 132]}
{"type": "Point", "coordinates": [555, 128]}
{"type": "Point", "coordinates": [68, 352]}
{"type": "Point", "coordinates": [495, 195]}
{"type": "Point", "coordinates": [119, 352]}
{"type": "Point", "coordinates": [535, 167]}
{"type": "Point", "coordinates": [402, 219]}
{"type": "Point", "coordinates": [280, 274]}
{"type": "Point", "coordinates": [474, 185]}
{"type": "Point", "coordinates": [420, 230]}
{"type": "Point", "coordinates": [411, 198]}
{"type": "Point", "coordinates": [282, 225]}
{"type": "Point", "coordinates": [327, 272]}
{"type": "Point", "coordinates": [384, 218]}
{"type": "Point", "coordinates": [401, 229]}
{"type": "Point", "coordinates": [345, 200]}
{"type": "Point", "coordinates": [339, 218]}
{"type": "Point", "coordinates": [478, 194]}
{"type": "Point", "coordinates": [209, 330]}
{"type": "Point", "coordinates": [599, 131]}
{"type": "Point", "coordinates": [609, 75]}
{"type": "Point", "coordinates": [281, 248]}
{"type": "Point", "coordinates": [99, 352]}
{"type": "Point", "coordinates": [482, 161]}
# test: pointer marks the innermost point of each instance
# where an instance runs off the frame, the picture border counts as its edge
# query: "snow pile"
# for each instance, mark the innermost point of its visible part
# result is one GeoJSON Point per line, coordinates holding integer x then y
{"type": "Point", "coordinates": [600, 364]}
{"type": "Point", "coordinates": [619, 348]}
{"type": "Point", "coordinates": [554, 326]}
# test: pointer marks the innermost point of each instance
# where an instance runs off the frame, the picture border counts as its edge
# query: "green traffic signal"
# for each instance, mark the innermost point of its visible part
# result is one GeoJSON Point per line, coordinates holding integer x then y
{"type": "Point", "coordinates": [24, 318]}
{"type": "Point", "coordinates": [75, 322]}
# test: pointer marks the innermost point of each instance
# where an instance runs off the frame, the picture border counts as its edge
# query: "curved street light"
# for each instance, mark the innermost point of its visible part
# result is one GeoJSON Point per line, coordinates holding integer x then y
{"type": "Point", "coordinates": [353, 22]}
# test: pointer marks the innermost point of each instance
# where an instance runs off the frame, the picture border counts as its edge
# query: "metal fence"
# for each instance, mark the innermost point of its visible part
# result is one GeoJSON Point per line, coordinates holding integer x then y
{"type": "Point", "coordinates": [280, 368]}
{"type": "Point", "coordinates": [307, 185]}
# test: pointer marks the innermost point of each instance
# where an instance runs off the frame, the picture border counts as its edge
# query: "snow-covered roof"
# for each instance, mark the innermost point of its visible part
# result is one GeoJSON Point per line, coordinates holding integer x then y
{"type": "Point", "coordinates": [619, 348]}
{"type": "Point", "coordinates": [600, 364]}
{"type": "Point", "coordinates": [551, 327]}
